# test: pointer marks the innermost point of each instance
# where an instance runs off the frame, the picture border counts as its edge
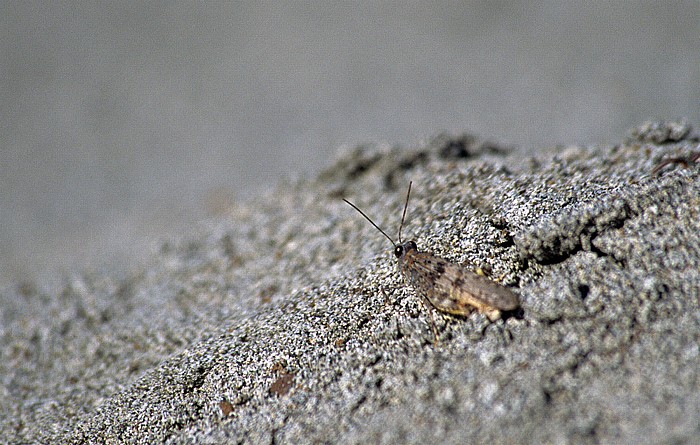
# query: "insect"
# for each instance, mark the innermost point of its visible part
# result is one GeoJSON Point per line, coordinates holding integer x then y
{"type": "Point", "coordinates": [684, 161]}
{"type": "Point", "coordinates": [447, 286]}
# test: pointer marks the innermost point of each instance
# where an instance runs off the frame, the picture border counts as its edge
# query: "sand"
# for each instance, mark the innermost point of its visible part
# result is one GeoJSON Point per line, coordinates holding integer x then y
{"type": "Point", "coordinates": [285, 319]}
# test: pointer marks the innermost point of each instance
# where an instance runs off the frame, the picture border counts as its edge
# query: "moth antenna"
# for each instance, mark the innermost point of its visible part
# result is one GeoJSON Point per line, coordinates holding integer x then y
{"type": "Point", "coordinates": [403, 217]}
{"type": "Point", "coordinates": [370, 220]}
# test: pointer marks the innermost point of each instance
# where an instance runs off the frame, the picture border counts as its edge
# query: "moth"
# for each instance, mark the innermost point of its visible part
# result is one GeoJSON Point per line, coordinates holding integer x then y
{"type": "Point", "coordinates": [685, 161]}
{"type": "Point", "coordinates": [447, 286]}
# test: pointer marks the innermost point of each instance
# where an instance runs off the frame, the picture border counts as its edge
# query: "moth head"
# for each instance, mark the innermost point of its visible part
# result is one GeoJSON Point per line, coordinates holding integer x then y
{"type": "Point", "coordinates": [402, 249]}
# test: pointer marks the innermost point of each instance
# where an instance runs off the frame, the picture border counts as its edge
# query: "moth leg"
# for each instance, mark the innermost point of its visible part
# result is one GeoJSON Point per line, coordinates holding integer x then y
{"type": "Point", "coordinates": [429, 308]}
{"type": "Point", "coordinates": [483, 271]}
{"type": "Point", "coordinates": [492, 314]}
{"type": "Point", "coordinates": [387, 301]}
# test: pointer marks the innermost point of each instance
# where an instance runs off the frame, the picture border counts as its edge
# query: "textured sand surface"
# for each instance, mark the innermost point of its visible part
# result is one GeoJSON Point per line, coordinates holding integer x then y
{"type": "Point", "coordinates": [286, 321]}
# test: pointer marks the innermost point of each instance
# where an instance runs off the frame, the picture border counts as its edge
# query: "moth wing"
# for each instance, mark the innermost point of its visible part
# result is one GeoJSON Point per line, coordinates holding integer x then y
{"type": "Point", "coordinates": [454, 289]}
{"type": "Point", "coordinates": [480, 291]}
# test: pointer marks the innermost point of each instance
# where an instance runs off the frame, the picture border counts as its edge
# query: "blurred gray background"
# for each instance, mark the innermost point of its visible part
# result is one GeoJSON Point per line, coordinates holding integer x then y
{"type": "Point", "coordinates": [123, 122]}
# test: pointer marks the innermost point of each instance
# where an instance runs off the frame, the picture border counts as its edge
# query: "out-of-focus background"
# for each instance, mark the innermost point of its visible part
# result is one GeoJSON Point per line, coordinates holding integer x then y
{"type": "Point", "coordinates": [123, 122]}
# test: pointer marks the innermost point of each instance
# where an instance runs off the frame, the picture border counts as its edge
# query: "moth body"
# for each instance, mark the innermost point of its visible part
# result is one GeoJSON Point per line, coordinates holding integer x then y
{"type": "Point", "coordinates": [450, 287]}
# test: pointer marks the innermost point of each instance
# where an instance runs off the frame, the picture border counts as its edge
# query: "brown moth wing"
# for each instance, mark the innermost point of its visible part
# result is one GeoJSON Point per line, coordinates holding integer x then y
{"type": "Point", "coordinates": [454, 289]}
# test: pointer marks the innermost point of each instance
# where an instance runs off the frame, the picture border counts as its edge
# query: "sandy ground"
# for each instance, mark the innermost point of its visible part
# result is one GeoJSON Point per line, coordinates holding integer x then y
{"type": "Point", "coordinates": [285, 320]}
